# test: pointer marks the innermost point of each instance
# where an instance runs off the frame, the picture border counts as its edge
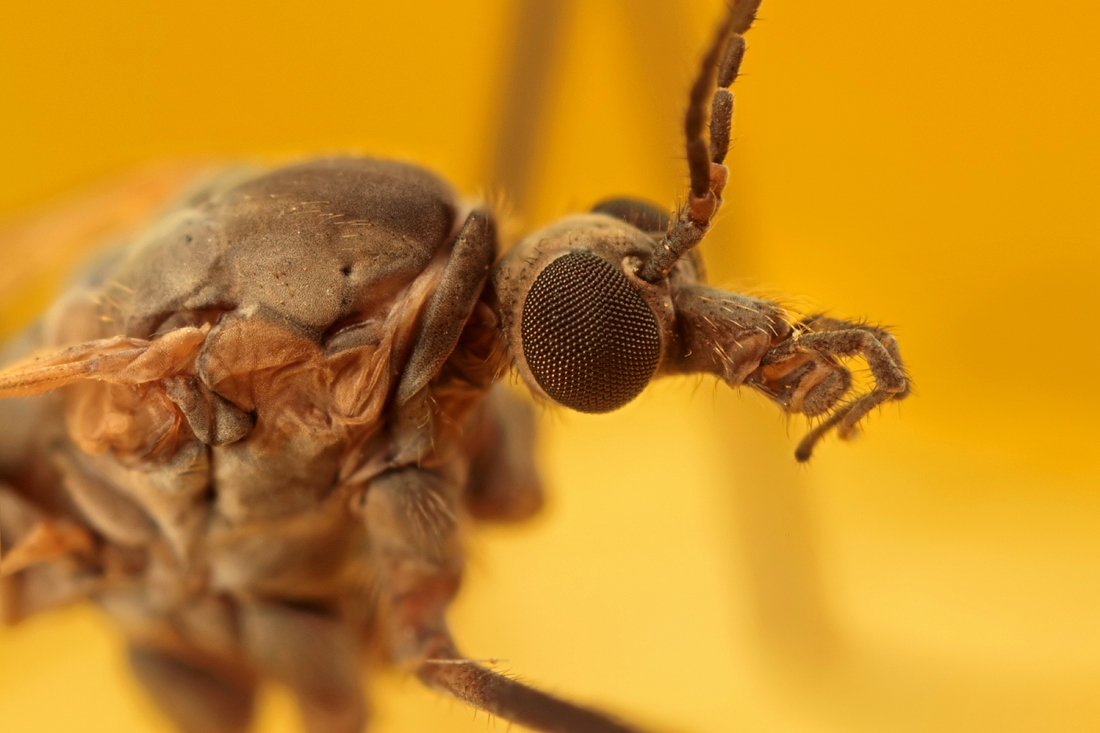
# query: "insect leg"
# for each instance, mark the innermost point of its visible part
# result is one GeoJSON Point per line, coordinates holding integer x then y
{"type": "Point", "coordinates": [448, 672]}
{"type": "Point", "coordinates": [47, 540]}
{"type": "Point", "coordinates": [112, 513]}
{"type": "Point", "coordinates": [413, 533]}
{"type": "Point", "coordinates": [503, 484]}
{"type": "Point", "coordinates": [451, 304]}
{"type": "Point", "coordinates": [196, 697]}
{"type": "Point", "coordinates": [721, 333]}
{"type": "Point", "coordinates": [313, 654]}
{"type": "Point", "coordinates": [818, 342]}
{"type": "Point", "coordinates": [412, 527]}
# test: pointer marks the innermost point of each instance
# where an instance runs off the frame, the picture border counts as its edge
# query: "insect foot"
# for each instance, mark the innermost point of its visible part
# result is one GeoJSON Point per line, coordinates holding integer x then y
{"type": "Point", "coordinates": [803, 375]}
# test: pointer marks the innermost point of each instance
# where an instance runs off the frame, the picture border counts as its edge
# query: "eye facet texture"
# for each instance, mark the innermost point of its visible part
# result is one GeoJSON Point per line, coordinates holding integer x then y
{"type": "Point", "coordinates": [590, 340]}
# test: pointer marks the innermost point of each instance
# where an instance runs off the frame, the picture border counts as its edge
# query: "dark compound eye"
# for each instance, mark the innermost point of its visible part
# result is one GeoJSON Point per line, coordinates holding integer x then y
{"type": "Point", "coordinates": [590, 340]}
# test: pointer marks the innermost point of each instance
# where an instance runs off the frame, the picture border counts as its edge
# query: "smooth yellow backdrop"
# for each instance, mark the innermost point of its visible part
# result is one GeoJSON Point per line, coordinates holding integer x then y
{"type": "Point", "coordinates": [933, 166]}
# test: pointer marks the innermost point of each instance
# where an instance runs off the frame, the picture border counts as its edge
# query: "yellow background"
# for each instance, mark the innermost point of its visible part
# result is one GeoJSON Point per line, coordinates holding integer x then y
{"type": "Point", "coordinates": [933, 166]}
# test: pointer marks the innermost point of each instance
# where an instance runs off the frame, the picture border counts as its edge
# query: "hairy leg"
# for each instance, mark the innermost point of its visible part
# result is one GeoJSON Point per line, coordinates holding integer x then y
{"type": "Point", "coordinates": [514, 701]}
{"type": "Point", "coordinates": [409, 516]}
{"type": "Point", "coordinates": [803, 374]}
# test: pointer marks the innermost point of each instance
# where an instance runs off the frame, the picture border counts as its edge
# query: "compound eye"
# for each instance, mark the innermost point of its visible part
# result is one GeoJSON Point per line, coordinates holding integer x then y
{"type": "Point", "coordinates": [590, 340]}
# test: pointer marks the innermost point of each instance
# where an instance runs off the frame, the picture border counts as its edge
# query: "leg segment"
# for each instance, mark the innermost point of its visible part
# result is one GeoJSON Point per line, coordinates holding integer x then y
{"type": "Point", "coordinates": [504, 483]}
{"type": "Point", "coordinates": [537, 41]}
{"type": "Point", "coordinates": [446, 315]}
{"type": "Point", "coordinates": [412, 523]}
{"type": "Point", "coordinates": [313, 654]}
{"type": "Point", "coordinates": [409, 515]}
{"type": "Point", "coordinates": [448, 672]}
{"type": "Point", "coordinates": [803, 375]}
{"type": "Point", "coordinates": [720, 333]}
{"type": "Point", "coordinates": [452, 302]}
{"type": "Point", "coordinates": [45, 561]}
{"type": "Point", "coordinates": [197, 698]}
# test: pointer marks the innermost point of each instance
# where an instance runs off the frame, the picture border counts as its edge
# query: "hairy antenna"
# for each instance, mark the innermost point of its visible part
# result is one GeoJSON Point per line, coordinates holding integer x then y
{"type": "Point", "coordinates": [721, 63]}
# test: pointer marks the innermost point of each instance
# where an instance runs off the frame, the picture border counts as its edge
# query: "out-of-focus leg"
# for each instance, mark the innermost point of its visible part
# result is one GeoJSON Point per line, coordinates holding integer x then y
{"type": "Point", "coordinates": [507, 698]}
{"type": "Point", "coordinates": [409, 514]}
{"type": "Point", "coordinates": [504, 483]}
{"type": "Point", "coordinates": [412, 523]}
{"type": "Point", "coordinates": [195, 697]}
{"type": "Point", "coordinates": [315, 655]}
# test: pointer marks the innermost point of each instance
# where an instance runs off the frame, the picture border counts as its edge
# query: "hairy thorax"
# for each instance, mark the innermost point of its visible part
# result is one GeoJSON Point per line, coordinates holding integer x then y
{"type": "Point", "coordinates": [243, 380]}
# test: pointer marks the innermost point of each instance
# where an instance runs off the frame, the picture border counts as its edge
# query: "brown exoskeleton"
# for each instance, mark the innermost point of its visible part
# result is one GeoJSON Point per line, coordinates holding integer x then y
{"type": "Point", "coordinates": [260, 430]}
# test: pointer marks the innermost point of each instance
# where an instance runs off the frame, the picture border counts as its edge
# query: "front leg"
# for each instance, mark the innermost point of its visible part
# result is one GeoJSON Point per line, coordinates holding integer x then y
{"type": "Point", "coordinates": [721, 333]}
{"type": "Point", "coordinates": [452, 303]}
{"type": "Point", "coordinates": [454, 309]}
{"type": "Point", "coordinates": [803, 374]}
{"type": "Point", "coordinates": [743, 340]}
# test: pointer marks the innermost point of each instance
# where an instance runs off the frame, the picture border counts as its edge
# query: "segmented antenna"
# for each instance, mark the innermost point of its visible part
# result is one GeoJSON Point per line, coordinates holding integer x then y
{"type": "Point", "coordinates": [721, 64]}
